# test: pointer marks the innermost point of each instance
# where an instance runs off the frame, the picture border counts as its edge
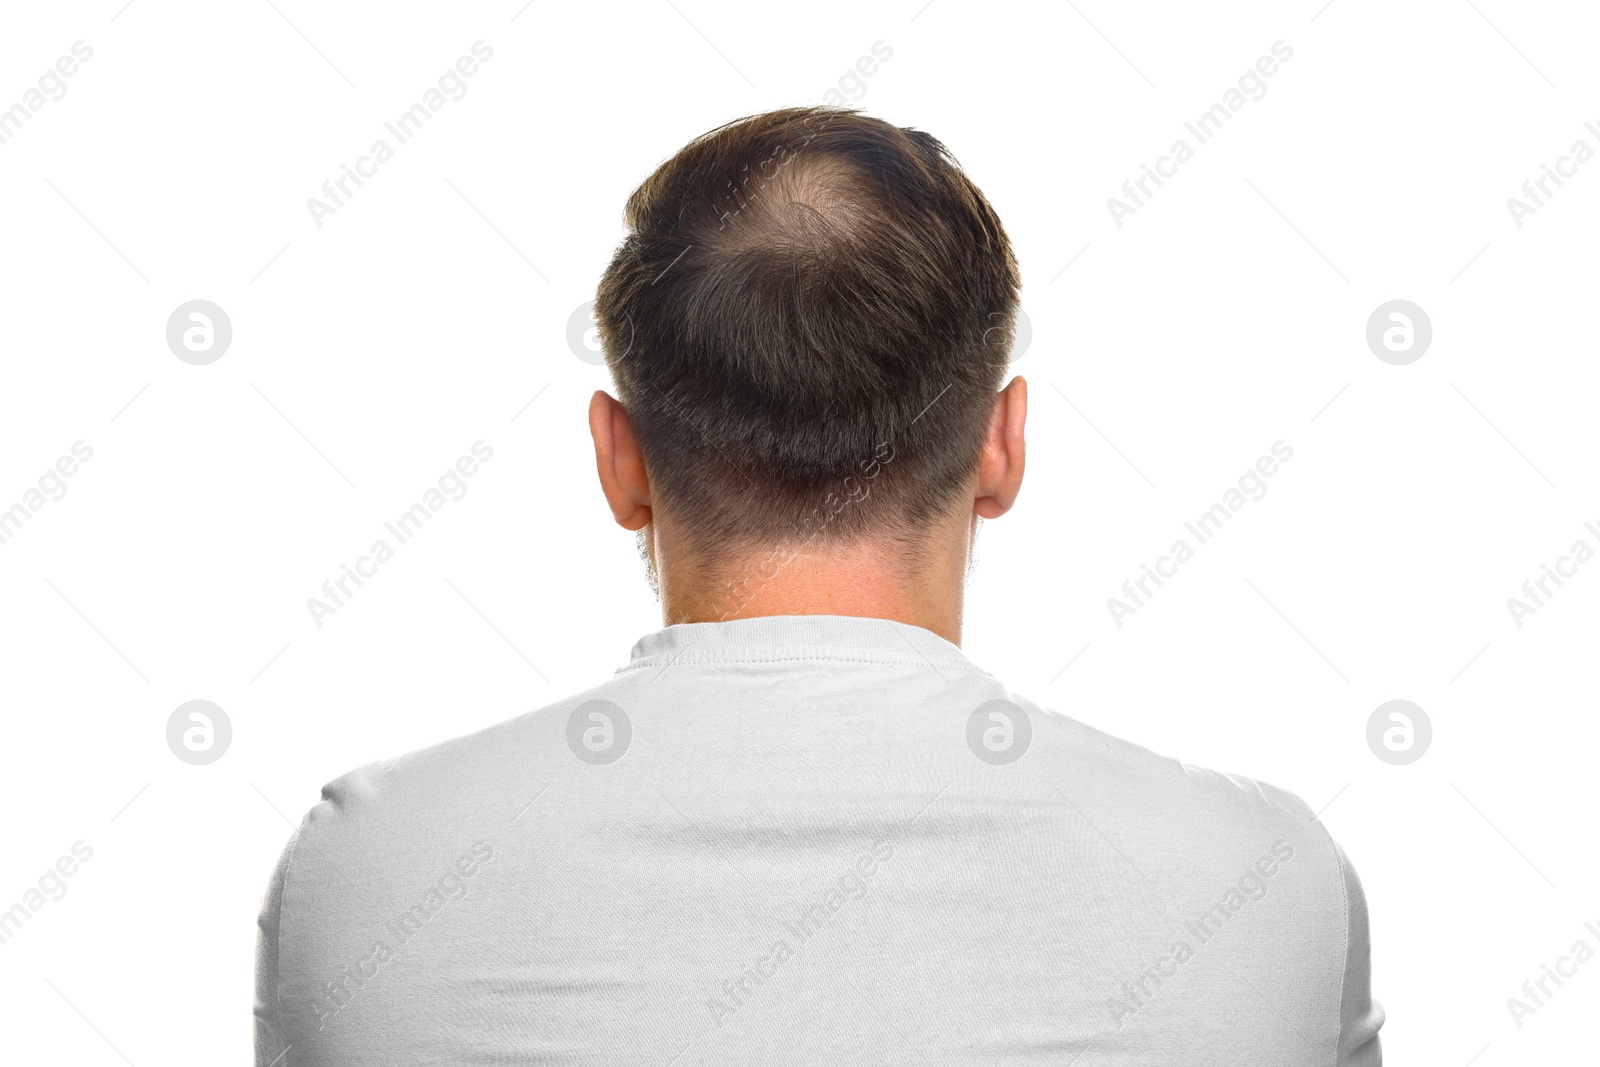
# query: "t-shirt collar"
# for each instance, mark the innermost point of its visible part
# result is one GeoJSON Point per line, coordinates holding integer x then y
{"type": "Point", "coordinates": [770, 638]}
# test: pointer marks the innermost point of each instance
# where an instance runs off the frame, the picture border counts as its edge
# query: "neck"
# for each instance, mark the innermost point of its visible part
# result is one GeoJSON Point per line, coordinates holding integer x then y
{"type": "Point", "coordinates": [877, 579]}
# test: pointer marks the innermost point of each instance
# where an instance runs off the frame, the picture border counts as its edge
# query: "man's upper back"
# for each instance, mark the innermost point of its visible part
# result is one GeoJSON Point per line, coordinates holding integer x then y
{"type": "Point", "coordinates": [808, 840]}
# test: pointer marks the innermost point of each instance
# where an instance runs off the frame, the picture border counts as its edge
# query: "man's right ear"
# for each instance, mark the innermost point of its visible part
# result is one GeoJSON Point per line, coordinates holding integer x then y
{"type": "Point", "coordinates": [619, 462]}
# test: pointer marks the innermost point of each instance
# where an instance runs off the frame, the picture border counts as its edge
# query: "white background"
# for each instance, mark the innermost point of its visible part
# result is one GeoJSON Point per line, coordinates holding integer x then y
{"type": "Point", "coordinates": [369, 353]}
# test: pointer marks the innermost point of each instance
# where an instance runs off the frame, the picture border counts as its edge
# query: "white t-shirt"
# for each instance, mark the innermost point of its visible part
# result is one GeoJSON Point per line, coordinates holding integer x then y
{"type": "Point", "coordinates": [808, 840]}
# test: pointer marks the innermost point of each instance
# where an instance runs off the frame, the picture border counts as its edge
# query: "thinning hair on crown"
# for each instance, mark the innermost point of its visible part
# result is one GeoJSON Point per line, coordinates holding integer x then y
{"type": "Point", "coordinates": [807, 323]}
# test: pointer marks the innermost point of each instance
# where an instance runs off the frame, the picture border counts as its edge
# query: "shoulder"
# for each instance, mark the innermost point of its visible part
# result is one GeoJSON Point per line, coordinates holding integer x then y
{"type": "Point", "coordinates": [384, 857]}
{"type": "Point", "coordinates": [1141, 781]}
{"type": "Point", "coordinates": [1213, 844]}
{"type": "Point", "coordinates": [1241, 868]}
{"type": "Point", "coordinates": [1191, 826]}
{"type": "Point", "coordinates": [473, 779]}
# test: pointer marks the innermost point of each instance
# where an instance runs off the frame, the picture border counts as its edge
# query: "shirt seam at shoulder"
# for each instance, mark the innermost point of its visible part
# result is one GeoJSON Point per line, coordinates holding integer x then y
{"type": "Point", "coordinates": [1344, 965]}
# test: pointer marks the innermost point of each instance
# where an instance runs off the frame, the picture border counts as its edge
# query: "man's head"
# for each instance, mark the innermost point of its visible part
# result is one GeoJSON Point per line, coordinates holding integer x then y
{"type": "Point", "coordinates": [807, 323]}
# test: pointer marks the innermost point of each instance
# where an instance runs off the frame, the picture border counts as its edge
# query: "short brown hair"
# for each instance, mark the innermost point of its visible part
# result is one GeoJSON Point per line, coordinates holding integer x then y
{"type": "Point", "coordinates": [807, 324]}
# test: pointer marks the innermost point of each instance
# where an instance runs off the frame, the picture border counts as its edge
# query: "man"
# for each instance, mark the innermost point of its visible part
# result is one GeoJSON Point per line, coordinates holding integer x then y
{"type": "Point", "coordinates": [799, 826]}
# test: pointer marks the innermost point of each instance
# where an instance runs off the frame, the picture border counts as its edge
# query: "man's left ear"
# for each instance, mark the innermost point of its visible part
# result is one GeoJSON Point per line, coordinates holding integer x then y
{"type": "Point", "coordinates": [1004, 454]}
